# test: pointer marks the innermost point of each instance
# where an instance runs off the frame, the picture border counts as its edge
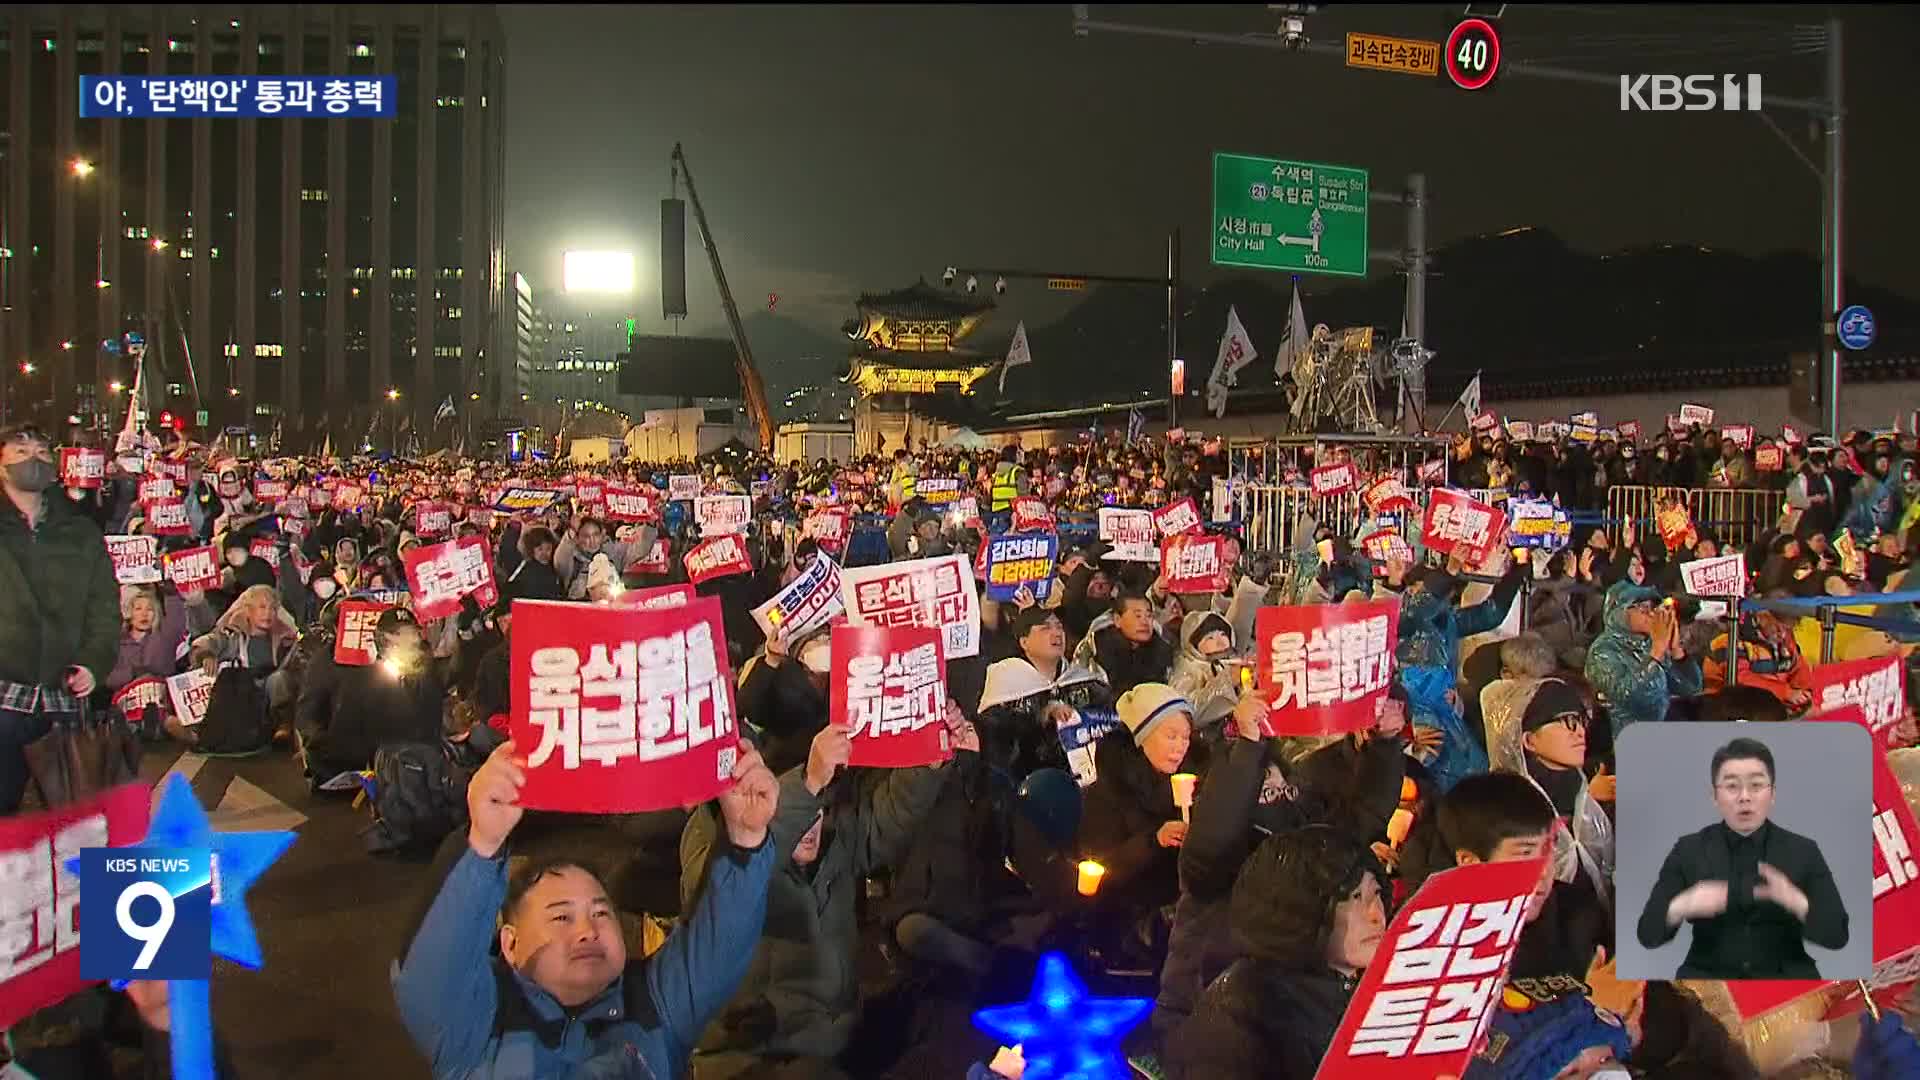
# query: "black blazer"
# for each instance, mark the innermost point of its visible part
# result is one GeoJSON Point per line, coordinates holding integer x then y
{"type": "Point", "coordinates": [1752, 939]}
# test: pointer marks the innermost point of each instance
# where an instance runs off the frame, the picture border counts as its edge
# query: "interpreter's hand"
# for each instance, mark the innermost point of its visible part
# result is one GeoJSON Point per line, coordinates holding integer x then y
{"type": "Point", "coordinates": [80, 681]}
{"type": "Point", "coordinates": [831, 749]}
{"type": "Point", "coordinates": [960, 729]}
{"type": "Point", "coordinates": [149, 997]}
{"type": "Point", "coordinates": [776, 648]}
{"type": "Point", "coordinates": [493, 800]}
{"type": "Point", "coordinates": [747, 807]}
{"type": "Point", "coordinates": [1776, 887]}
{"type": "Point", "coordinates": [1172, 834]}
{"type": "Point", "coordinates": [1249, 713]}
{"type": "Point", "coordinates": [1603, 785]}
{"type": "Point", "coordinates": [1703, 901]}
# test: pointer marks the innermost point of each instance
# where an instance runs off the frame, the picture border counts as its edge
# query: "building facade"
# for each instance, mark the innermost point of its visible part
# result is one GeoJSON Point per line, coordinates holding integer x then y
{"type": "Point", "coordinates": [280, 270]}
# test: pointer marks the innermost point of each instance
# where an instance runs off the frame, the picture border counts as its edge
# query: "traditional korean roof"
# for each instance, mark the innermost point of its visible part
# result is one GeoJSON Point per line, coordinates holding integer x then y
{"type": "Point", "coordinates": [922, 301]}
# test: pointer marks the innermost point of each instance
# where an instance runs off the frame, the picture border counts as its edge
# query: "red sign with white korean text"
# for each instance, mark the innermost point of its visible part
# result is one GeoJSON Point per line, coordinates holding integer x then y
{"type": "Point", "coordinates": [1326, 665]}
{"type": "Point", "coordinates": [353, 632]}
{"type": "Point", "coordinates": [193, 570]}
{"type": "Point", "coordinates": [136, 559]}
{"type": "Point", "coordinates": [1896, 891]}
{"type": "Point", "coordinates": [1769, 459]}
{"type": "Point", "coordinates": [40, 903]}
{"type": "Point", "coordinates": [1740, 435]}
{"type": "Point", "coordinates": [1176, 519]}
{"type": "Point", "coordinates": [1032, 515]}
{"type": "Point", "coordinates": [627, 504]}
{"type": "Point", "coordinates": [440, 575]}
{"type": "Point", "coordinates": [134, 697]}
{"type": "Point", "coordinates": [622, 710]}
{"type": "Point", "coordinates": [1485, 421]}
{"type": "Point", "coordinates": [271, 491]}
{"type": "Point", "coordinates": [1330, 480]}
{"type": "Point", "coordinates": [723, 555]}
{"type": "Point", "coordinates": [1386, 546]}
{"type": "Point", "coordinates": [829, 528]}
{"type": "Point", "coordinates": [433, 519]}
{"type": "Point", "coordinates": [1724, 575]}
{"type": "Point", "coordinates": [1459, 524]}
{"type": "Point", "coordinates": [1434, 984]}
{"type": "Point", "coordinates": [348, 497]}
{"type": "Point", "coordinates": [656, 561]}
{"type": "Point", "coordinates": [890, 689]}
{"type": "Point", "coordinates": [155, 489]}
{"type": "Point", "coordinates": [935, 592]}
{"type": "Point", "coordinates": [1195, 564]}
{"type": "Point", "coordinates": [1877, 687]}
{"type": "Point", "coordinates": [480, 516]}
{"type": "Point", "coordinates": [81, 467]}
{"type": "Point", "coordinates": [1433, 472]}
{"type": "Point", "coordinates": [168, 517]}
{"type": "Point", "coordinates": [320, 497]}
{"type": "Point", "coordinates": [1629, 430]}
{"type": "Point", "coordinates": [591, 495]}
{"type": "Point", "coordinates": [175, 471]}
{"type": "Point", "coordinates": [666, 596]}
{"type": "Point", "coordinates": [266, 549]}
{"type": "Point", "coordinates": [1386, 495]}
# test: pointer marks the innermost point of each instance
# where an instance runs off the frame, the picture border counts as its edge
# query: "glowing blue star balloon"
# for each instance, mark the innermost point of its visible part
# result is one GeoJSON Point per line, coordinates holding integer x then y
{"type": "Point", "coordinates": [1062, 1031]}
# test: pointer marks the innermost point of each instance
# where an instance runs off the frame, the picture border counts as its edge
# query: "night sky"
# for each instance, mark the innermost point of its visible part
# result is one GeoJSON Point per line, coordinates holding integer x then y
{"type": "Point", "coordinates": [856, 148]}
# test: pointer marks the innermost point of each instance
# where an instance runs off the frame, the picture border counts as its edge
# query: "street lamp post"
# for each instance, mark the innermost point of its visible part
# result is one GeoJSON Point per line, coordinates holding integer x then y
{"type": "Point", "coordinates": [393, 416]}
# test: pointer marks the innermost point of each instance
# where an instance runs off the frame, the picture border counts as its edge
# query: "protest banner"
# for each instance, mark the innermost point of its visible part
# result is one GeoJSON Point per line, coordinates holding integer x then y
{"type": "Point", "coordinates": [522, 500]}
{"type": "Point", "coordinates": [349, 497]}
{"type": "Point", "coordinates": [1520, 431]}
{"type": "Point", "coordinates": [1386, 546]}
{"type": "Point", "coordinates": [353, 632]}
{"type": "Point", "coordinates": [1740, 435]}
{"type": "Point", "coordinates": [1195, 564]}
{"type": "Point", "coordinates": [440, 575]}
{"type": "Point", "coordinates": [1020, 561]}
{"type": "Point", "coordinates": [155, 489]}
{"type": "Point", "coordinates": [1790, 435]}
{"type": "Point", "coordinates": [936, 592]}
{"type": "Point", "coordinates": [1331, 480]}
{"type": "Point", "coordinates": [1769, 458]}
{"type": "Point", "coordinates": [1080, 732]}
{"type": "Point", "coordinates": [1589, 418]}
{"type": "Point", "coordinates": [622, 710]}
{"type": "Point", "coordinates": [937, 491]}
{"type": "Point", "coordinates": [1326, 665]}
{"type": "Point", "coordinates": [1431, 992]}
{"type": "Point", "coordinates": [657, 560]}
{"type": "Point", "coordinates": [1484, 421]}
{"type": "Point", "coordinates": [1876, 686]}
{"type": "Point", "coordinates": [295, 507]}
{"type": "Point", "coordinates": [266, 549]}
{"type": "Point", "coordinates": [590, 494]}
{"type": "Point", "coordinates": [136, 559]}
{"type": "Point", "coordinates": [133, 463]}
{"type": "Point", "coordinates": [1695, 414]}
{"type": "Point", "coordinates": [133, 698]}
{"type": "Point", "coordinates": [1033, 515]}
{"type": "Point", "coordinates": [480, 517]}
{"type": "Point", "coordinates": [1174, 519]}
{"type": "Point", "coordinates": [1433, 473]}
{"type": "Point", "coordinates": [190, 691]}
{"type": "Point", "coordinates": [81, 467]}
{"type": "Point", "coordinates": [1725, 575]}
{"type": "Point", "coordinates": [1220, 510]}
{"type": "Point", "coordinates": [271, 491]}
{"type": "Point", "coordinates": [173, 470]}
{"type": "Point", "coordinates": [718, 557]}
{"type": "Point", "coordinates": [40, 905]}
{"type": "Point", "coordinates": [1131, 533]}
{"type": "Point", "coordinates": [628, 504]}
{"type": "Point", "coordinates": [809, 601]}
{"type": "Point", "coordinates": [830, 528]}
{"type": "Point", "coordinates": [683, 488]}
{"type": "Point", "coordinates": [1585, 433]}
{"type": "Point", "coordinates": [1675, 523]}
{"type": "Point", "coordinates": [666, 596]}
{"type": "Point", "coordinates": [433, 519]}
{"type": "Point", "coordinates": [965, 510]}
{"type": "Point", "coordinates": [1896, 895]}
{"type": "Point", "coordinates": [320, 496]}
{"type": "Point", "coordinates": [890, 689]}
{"type": "Point", "coordinates": [194, 569]}
{"type": "Point", "coordinates": [719, 514]}
{"type": "Point", "coordinates": [1537, 523]}
{"type": "Point", "coordinates": [1459, 524]}
{"type": "Point", "coordinates": [1629, 430]}
{"type": "Point", "coordinates": [1387, 494]}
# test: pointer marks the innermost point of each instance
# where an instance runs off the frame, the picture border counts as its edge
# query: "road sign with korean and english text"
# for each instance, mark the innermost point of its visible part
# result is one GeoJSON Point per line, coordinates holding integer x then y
{"type": "Point", "coordinates": [1270, 214]}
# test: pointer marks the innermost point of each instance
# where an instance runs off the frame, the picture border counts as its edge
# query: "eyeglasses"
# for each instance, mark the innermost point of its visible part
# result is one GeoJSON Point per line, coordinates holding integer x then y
{"type": "Point", "coordinates": [1732, 788]}
{"type": "Point", "coordinates": [1572, 721]}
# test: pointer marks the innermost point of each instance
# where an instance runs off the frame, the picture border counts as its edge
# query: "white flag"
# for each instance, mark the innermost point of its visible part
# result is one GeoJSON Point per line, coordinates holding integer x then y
{"type": "Point", "coordinates": [1017, 354]}
{"type": "Point", "coordinates": [1236, 352]}
{"type": "Point", "coordinates": [1299, 338]}
{"type": "Point", "coordinates": [1470, 397]}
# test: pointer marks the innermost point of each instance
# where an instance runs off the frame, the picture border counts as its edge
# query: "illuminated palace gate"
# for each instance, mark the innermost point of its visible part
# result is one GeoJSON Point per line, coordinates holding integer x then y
{"type": "Point", "coordinates": [907, 350]}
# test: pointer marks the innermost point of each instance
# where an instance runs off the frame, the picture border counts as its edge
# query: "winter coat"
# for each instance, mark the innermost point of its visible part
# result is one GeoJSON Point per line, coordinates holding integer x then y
{"type": "Point", "coordinates": [1014, 734]}
{"type": "Point", "coordinates": [1127, 665]}
{"type": "Point", "coordinates": [955, 867]}
{"type": "Point", "coordinates": [534, 580]}
{"type": "Point", "coordinates": [1212, 686]}
{"type": "Point", "coordinates": [157, 655]}
{"type": "Point", "coordinates": [1621, 667]}
{"type": "Point", "coordinates": [1556, 612]}
{"type": "Point", "coordinates": [783, 705]}
{"type": "Point", "coordinates": [1120, 817]}
{"type": "Point", "coordinates": [1876, 505]}
{"type": "Point", "coordinates": [345, 713]}
{"type": "Point", "coordinates": [59, 602]}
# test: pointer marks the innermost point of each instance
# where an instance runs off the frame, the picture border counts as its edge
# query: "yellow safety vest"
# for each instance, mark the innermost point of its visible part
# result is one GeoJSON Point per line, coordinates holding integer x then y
{"type": "Point", "coordinates": [903, 481]}
{"type": "Point", "coordinates": [1006, 486]}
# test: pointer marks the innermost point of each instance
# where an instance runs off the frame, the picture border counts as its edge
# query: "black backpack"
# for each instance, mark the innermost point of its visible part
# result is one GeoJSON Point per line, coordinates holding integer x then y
{"type": "Point", "coordinates": [419, 796]}
{"type": "Point", "coordinates": [237, 720]}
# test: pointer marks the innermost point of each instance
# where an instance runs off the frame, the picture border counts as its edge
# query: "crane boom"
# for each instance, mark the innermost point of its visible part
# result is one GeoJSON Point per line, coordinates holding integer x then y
{"type": "Point", "coordinates": [750, 383]}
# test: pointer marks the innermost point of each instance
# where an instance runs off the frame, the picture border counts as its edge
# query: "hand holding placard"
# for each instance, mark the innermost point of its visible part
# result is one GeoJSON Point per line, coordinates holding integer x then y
{"type": "Point", "coordinates": [493, 800]}
{"type": "Point", "coordinates": [831, 750]}
{"type": "Point", "coordinates": [747, 807]}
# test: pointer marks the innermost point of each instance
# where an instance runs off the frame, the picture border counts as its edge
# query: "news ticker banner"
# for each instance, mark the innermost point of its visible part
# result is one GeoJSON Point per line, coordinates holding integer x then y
{"type": "Point", "coordinates": [240, 96]}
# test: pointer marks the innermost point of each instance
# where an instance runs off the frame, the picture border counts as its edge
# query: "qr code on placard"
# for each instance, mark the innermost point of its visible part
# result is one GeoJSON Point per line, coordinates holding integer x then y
{"type": "Point", "coordinates": [956, 638]}
{"type": "Point", "coordinates": [723, 762]}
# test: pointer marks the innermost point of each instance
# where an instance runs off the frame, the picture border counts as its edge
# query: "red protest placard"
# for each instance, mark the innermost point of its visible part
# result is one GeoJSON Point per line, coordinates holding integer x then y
{"type": "Point", "coordinates": [890, 689]}
{"type": "Point", "coordinates": [433, 519]}
{"type": "Point", "coordinates": [627, 504]}
{"type": "Point", "coordinates": [1459, 524]}
{"type": "Point", "coordinates": [657, 560]}
{"type": "Point", "coordinates": [1769, 458]}
{"type": "Point", "coordinates": [666, 596]}
{"type": "Point", "coordinates": [1896, 892]}
{"type": "Point", "coordinates": [155, 489]}
{"type": "Point", "coordinates": [1195, 564]}
{"type": "Point", "coordinates": [136, 559]}
{"type": "Point", "coordinates": [1327, 665]}
{"type": "Point", "coordinates": [1675, 523]}
{"type": "Point", "coordinates": [1629, 430]}
{"type": "Point", "coordinates": [271, 491]}
{"type": "Point", "coordinates": [1740, 435]}
{"type": "Point", "coordinates": [1386, 546]}
{"type": "Point", "coordinates": [353, 632]}
{"type": "Point", "coordinates": [1724, 575]}
{"type": "Point", "coordinates": [81, 467]}
{"type": "Point", "coordinates": [1387, 494]}
{"type": "Point", "coordinates": [1177, 518]}
{"type": "Point", "coordinates": [591, 495]}
{"type": "Point", "coordinates": [723, 555]}
{"type": "Point", "coordinates": [1485, 421]}
{"type": "Point", "coordinates": [193, 570]}
{"type": "Point", "coordinates": [619, 709]}
{"type": "Point", "coordinates": [1032, 515]}
{"type": "Point", "coordinates": [320, 497]}
{"type": "Point", "coordinates": [134, 697]}
{"type": "Point", "coordinates": [1430, 993]}
{"type": "Point", "coordinates": [349, 497]}
{"type": "Point", "coordinates": [175, 471]}
{"type": "Point", "coordinates": [830, 528]}
{"type": "Point", "coordinates": [1877, 687]}
{"type": "Point", "coordinates": [440, 575]}
{"type": "Point", "coordinates": [43, 896]}
{"type": "Point", "coordinates": [1330, 480]}
{"type": "Point", "coordinates": [1433, 472]}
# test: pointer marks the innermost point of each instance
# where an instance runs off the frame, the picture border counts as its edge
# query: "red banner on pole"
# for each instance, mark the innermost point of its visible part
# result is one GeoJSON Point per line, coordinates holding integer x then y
{"type": "Point", "coordinates": [193, 570]}
{"type": "Point", "coordinates": [1331, 480]}
{"type": "Point", "coordinates": [627, 504]}
{"type": "Point", "coordinates": [1032, 515]}
{"type": "Point", "coordinates": [1177, 519]}
{"type": "Point", "coordinates": [1327, 665]}
{"type": "Point", "coordinates": [440, 575]}
{"type": "Point", "coordinates": [1195, 564]}
{"type": "Point", "coordinates": [1430, 993]}
{"type": "Point", "coordinates": [723, 555]}
{"type": "Point", "coordinates": [890, 688]}
{"type": "Point", "coordinates": [353, 632]}
{"type": "Point", "coordinates": [622, 710]}
{"type": "Point", "coordinates": [81, 467]}
{"type": "Point", "coordinates": [1458, 524]}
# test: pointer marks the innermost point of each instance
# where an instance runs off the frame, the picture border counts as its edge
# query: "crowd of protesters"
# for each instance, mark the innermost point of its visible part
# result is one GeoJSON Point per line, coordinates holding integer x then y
{"type": "Point", "coordinates": [1249, 920]}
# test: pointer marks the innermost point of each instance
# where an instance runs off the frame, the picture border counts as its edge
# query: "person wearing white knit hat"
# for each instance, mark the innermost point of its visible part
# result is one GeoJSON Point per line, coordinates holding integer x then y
{"type": "Point", "coordinates": [1146, 710]}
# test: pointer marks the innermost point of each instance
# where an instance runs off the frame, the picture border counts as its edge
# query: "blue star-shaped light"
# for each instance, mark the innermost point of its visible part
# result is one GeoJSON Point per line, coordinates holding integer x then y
{"type": "Point", "coordinates": [1062, 1031]}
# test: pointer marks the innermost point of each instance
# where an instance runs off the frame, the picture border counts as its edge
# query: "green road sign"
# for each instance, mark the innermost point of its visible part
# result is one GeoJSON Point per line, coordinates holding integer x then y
{"type": "Point", "coordinates": [200, 418]}
{"type": "Point", "coordinates": [1289, 215]}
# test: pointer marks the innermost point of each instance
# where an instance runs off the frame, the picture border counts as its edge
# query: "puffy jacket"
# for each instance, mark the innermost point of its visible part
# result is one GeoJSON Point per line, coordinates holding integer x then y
{"type": "Point", "coordinates": [1763, 644]}
{"type": "Point", "coordinates": [1621, 667]}
{"type": "Point", "coordinates": [1015, 737]}
{"type": "Point", "coordinates": [474, 1017]}
{"type": "Point", "coordinates": [1127, 665]}
{"type": "Point", "coordinates": [1876, 505]}
{"type": "Point", "coordinates": [1120, 819]}
{"type": "Point", "coordinates": [59, 602]}
{"type": "Point", "coordinates": [345, 713]}
{"type": "Point", "coordinates": [1212, 685]}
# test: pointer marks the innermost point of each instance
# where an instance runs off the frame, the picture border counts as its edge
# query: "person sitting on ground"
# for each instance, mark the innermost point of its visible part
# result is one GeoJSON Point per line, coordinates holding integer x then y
{"type": "Point", "coordinates": [1638, 663]}
{"type": "Point", "coordinates": [347, 712]}
{"type": "Point", "coordinates": [1027, 695]}
{"type": "Point", "coordinates": [1131, 651]}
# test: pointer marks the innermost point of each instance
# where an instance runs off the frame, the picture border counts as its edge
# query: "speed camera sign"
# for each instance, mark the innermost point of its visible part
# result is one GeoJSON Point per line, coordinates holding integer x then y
{"type": "Point", "coordinates": [1473, 54]}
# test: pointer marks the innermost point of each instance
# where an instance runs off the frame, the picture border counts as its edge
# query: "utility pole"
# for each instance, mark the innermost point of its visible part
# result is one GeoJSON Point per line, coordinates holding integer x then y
{"type": "Point", "coordinates": [1833, 226]}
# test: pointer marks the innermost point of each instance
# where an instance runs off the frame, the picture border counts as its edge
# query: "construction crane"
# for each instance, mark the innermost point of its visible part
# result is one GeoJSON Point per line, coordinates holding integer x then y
{"type": "Point", "coordinates": [750, 384]}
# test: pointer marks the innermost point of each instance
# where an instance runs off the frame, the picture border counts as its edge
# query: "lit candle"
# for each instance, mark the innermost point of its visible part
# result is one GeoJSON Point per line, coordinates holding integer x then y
{"type": "Point", "coordinates": [1090, 874]}
{"type": "Point", "coordinates": [1183, 784]}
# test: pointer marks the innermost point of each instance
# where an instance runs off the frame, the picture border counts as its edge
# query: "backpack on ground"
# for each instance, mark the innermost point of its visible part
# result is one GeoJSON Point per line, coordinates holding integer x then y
{"type": "Point", "coordinates": [238, 719]}
{"type": "Point", "coordinates": [419, 796]}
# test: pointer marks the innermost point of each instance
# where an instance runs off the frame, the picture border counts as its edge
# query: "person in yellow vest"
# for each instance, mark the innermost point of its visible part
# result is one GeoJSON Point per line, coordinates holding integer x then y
{"type": "Point", "coordinates": [904, 479]}
{"type": "Point", "coordinates": [1009, 480]}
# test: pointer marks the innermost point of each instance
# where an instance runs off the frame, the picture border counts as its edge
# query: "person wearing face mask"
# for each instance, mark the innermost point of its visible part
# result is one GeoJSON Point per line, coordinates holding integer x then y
{"type": "Point", "coordinates": [783, 693]}
{"type": "Point", "coordinates": [244, 569]}
{"type": "Point", "coordinates": [59, 604]}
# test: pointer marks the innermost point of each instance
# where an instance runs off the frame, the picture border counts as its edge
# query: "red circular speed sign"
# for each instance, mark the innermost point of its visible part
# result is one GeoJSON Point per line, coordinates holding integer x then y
{"type": "Point", "coordinates": [1473, 53]}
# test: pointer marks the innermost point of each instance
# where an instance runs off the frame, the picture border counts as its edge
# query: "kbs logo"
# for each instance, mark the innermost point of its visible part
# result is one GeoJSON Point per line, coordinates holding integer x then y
{"type": "Point", "coordinates": [1691, 93]}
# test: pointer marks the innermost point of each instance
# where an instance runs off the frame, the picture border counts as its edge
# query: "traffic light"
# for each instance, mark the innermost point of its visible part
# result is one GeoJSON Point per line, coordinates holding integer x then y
{"type": "Point", "coordinates": [166, 419]}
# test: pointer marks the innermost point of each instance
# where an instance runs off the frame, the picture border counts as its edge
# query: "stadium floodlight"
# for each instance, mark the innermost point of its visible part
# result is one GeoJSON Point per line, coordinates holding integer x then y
{"type": "Point", "coordinates": [598, 272]}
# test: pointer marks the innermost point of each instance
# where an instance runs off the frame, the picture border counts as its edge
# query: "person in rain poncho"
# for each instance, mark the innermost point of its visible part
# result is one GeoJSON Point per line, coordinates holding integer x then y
{"type": "Point", "coordinates": [1877, 498]}
{"type": "Point", "coordinates": [1637, 663]}
{"type": "Point", "coordinates": [1524, 662]}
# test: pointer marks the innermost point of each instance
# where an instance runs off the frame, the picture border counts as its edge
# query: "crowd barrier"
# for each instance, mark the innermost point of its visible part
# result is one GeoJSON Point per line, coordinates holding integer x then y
{"type": "Point", "coordinates": [1827, 610]}
{"type": "Point", "coordinates": [1735, 516]}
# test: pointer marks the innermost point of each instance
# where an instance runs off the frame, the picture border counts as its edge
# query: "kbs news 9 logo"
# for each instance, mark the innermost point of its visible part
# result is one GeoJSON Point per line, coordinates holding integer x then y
{"type": "Point", "coordinates": [148, 913]}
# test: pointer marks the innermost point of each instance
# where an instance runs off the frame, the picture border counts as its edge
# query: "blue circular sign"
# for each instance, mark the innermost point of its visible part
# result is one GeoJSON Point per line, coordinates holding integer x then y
{"type": "Point", "coordinates": [1856, 327]}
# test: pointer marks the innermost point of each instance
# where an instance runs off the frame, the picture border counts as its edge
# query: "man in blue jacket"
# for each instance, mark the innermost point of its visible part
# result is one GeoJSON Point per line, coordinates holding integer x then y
{"type": "Point", "coordinates": [562, 999]}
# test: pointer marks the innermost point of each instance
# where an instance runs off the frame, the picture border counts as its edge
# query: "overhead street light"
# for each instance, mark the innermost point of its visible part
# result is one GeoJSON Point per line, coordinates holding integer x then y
{"type": "Point", "coordinates": [82, 168]}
